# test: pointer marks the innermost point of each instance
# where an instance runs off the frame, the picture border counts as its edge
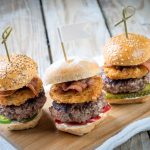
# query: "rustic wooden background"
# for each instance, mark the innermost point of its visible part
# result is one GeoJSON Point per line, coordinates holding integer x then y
{"type": "Point", "coordinates": [35, 25]}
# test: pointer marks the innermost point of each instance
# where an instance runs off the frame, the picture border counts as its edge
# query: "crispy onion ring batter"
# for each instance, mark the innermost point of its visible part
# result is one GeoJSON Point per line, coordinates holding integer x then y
{"type": "Point", "coordinates": [117, 72]}
{"type": "Point", "coordinates": [89, 94]}
{"type": "Point", "coordinates": [21, 95]}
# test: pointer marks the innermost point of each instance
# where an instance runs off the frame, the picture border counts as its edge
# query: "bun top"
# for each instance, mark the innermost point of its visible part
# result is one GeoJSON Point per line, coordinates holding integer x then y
{"type": "Point", "coordinates": [121, 51]}
{"type": "Point", "coordinates": [73, 70]}
{"type": "Point", "coordinates": [16, 73]}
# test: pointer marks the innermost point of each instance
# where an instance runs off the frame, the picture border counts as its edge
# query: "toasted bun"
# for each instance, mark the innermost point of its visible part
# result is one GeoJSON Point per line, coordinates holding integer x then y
{"type": "Point", "coordinates": [80, 129]}
{"type": "Point", "coordinates": [121, 51]}
{"type": "Point", "coordinates": [23, 126]}
{"type": "Point", "coordinates": [129, 101]}
{"type": "Point", "coordinates": [16, 73]}
{"type": "Point", "coordinates": [75, 69]}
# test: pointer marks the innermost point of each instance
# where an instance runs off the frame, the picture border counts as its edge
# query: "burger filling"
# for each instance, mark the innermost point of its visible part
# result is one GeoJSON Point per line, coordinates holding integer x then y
{"type": "Point", "coordinates": [126, 85]}
{"type": "Point", "coordinates": [125, 72]}
{"type": "Point", "coordinates": [76, 86]}
{"type": "Point", "coordinates": [25, 111]}
{"type": "Point", "coordinates": [126, 82]}
{"type": "Point", "coordinates": [144, 92]}
{"type": "Point", "coordinates": [79, 112]}
{"type": "Point", "coordinates": [18, 97]}
{"type": "Point", "coordinates": [77, 91]}
{"type": "Point", "coordinates": [22, 104]}
{"type": "Point", "coordinates": [78, 102]}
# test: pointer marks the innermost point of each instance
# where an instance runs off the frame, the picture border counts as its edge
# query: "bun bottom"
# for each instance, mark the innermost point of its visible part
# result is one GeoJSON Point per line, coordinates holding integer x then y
{"type": "Point", "coordinates": [129, 101]}
{"type": "Point", "coordinates": [23, 126]}
{"type": "Point", "coordinates": [80, 129]}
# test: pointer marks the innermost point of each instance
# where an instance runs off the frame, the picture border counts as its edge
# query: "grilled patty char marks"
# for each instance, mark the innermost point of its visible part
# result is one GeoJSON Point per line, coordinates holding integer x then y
{"type": "Point", "coordinates": [79, 112]}
{"type": "Point", "coordinates": [24, 111]}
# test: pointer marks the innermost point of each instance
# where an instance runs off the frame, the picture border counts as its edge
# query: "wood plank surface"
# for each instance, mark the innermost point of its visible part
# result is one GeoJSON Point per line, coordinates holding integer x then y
{"type": "Point", "coordinates": [5, 145]}
{"type": "Point", "coordinates": [46, 136]}
{"type": "Point", "coordinates": [28, 36]}
{"type": "Point", "coordinates": [140, 141]}
{"type": "Point", "coordinates": [58, 13]}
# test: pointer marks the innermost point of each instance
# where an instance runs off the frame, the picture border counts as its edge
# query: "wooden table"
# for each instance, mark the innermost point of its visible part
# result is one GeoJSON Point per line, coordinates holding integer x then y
{"type": "Point", "coordinates": [35, 25]}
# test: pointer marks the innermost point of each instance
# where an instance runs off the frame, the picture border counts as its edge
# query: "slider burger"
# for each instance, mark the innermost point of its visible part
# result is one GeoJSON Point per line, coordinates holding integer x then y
{"type": "Point", "coordinates": [78, 103]}
{"type": "Point", "coordinates": [21, 93]}
{"type": "Point", "coordinates": [125, 73]}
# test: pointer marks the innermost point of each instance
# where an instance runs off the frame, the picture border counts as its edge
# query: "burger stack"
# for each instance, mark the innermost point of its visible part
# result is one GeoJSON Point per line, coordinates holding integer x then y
{"type": "Point", "coordinates": [21, 93]}
{"type": "Point", "coordinates": [125, 73]}
{"type": "Point", "coordinates": [78, 102]}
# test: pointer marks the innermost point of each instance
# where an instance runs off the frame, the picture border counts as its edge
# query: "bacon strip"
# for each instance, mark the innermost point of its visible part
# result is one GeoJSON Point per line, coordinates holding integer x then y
{"type": "Point", "coordinates": [147, 64]}
{"type": "Point", "coordinates": [33, 86]}
{"type": "Point", "coordinates": [78, 86]}
{"type": "Point", "coordinates": [6, 93]}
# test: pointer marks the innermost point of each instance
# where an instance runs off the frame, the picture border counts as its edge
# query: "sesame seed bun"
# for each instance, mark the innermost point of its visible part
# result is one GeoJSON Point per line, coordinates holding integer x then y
{"type": "Point", "coordinates": [129, 100]}
{"type": "Point", "coordinates": [74, 69]}
{"type": "Point", "coordinates": [16, 73]}
{"type": "Point", "coordinates": [81, 129]}
{"type": "Point", "coordinates": [121, 51]}
{"type": "Point", "coordinates": [23, 126]}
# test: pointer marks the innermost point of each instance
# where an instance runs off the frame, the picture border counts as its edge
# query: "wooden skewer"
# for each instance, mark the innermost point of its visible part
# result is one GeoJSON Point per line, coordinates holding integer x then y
{"type": "Point", "coordinates": [5, 35]}
{"type": "Point", "coordinates": [125, 23]}
{"type": "Point", "coordinates": [124, 19]}
{"type": "Point", "coordinates": [62, 45]}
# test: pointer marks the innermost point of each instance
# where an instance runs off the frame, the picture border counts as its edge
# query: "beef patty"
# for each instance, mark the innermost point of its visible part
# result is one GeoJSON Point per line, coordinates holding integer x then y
{"type": "Point", "coordinates": [124, 86]}
{"type": "Point", "coordinates": [77, 112]}
{"type": "Point", "coordinates": [24, 111]}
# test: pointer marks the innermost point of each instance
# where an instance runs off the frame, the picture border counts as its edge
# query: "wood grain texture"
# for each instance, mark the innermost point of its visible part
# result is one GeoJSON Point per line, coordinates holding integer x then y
{"type": "Point", "coordinates": [46, 136]}
{"type": "Point", "coordinates": [25, 16]}
{"type": "Point", "coordinates": [58, 13]}
{"type": "Point", "coordinates": [140, 141]}
{"type": "Point", "coordinates": [5, 145]}
{"type": "Point", "coordinates": [28, 36]}
{"type": "Point", "coordinates": [139, 23]}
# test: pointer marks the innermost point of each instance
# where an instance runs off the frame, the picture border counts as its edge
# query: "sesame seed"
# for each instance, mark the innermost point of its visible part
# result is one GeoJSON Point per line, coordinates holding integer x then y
{"type": "Point", "coordinates": [11, 73]}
